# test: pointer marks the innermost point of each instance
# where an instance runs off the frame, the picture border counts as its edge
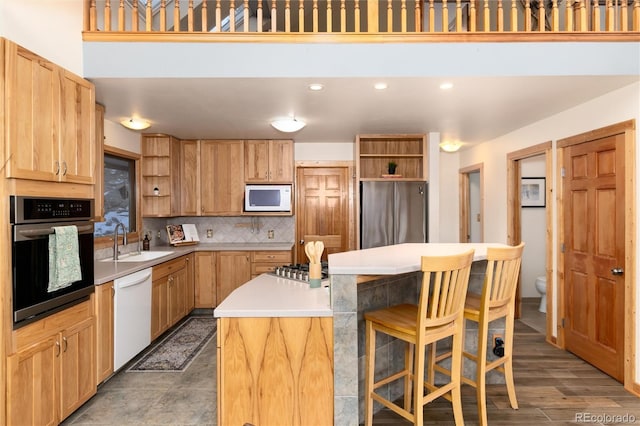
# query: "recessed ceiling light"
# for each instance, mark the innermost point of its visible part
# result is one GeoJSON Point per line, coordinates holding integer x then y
{"type": "Point", "coordinates": [380, 86]}
{"type": "Point", "coordinates": [316, 87]}
{"type": "Point", "coordinates": [446, 85]}
{"type": "Point", "coordinates": [135, 123]}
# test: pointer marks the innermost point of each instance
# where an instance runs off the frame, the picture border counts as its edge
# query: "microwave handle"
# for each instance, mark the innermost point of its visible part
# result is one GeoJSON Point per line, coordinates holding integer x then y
{"type": "Point", "coordinates": [34, 233]}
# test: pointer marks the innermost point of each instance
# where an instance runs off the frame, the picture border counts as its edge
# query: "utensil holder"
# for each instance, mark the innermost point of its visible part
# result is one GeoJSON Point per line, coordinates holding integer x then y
{"type": "Point", "coordinates": [315, 275]}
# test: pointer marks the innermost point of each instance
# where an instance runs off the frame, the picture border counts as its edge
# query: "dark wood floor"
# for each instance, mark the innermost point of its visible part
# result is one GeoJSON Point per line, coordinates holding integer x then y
{"type": "Point", "coordinates": [553, 387]}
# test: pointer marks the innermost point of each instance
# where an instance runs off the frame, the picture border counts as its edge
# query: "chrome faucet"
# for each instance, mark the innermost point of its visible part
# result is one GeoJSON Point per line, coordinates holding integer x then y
{"type": "Point", "coordinates": [115, 239]}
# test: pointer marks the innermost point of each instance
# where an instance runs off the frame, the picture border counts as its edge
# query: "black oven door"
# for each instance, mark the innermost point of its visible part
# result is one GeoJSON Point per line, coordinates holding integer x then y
{"type": "Point", "coordinates": [30, 261]}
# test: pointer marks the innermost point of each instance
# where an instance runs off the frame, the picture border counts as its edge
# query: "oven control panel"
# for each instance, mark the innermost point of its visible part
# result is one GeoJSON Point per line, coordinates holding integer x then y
{"type": "Point", "coordinates": [33, 209]}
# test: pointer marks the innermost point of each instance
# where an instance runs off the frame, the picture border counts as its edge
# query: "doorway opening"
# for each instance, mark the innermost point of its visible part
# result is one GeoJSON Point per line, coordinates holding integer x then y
{"type": "Point", "coordinates": [472, 204]}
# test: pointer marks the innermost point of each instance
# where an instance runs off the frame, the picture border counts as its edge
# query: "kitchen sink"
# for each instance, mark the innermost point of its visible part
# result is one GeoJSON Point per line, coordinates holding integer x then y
{"type": "Point", "coordinates": [144, 256]}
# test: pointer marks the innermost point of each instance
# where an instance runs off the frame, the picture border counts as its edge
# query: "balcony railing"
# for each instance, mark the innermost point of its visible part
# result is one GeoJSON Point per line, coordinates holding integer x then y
{"type": "Point", "coordinates": [346, 20]}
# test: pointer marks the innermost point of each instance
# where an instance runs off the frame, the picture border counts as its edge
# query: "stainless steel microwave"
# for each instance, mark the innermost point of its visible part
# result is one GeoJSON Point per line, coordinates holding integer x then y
{"type": "Point", "coordinates": [267, 198]}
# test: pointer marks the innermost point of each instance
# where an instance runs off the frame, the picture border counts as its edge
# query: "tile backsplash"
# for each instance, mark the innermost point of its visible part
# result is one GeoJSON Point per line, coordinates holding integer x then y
{"type": "Point", "coordinates": [243, 229]}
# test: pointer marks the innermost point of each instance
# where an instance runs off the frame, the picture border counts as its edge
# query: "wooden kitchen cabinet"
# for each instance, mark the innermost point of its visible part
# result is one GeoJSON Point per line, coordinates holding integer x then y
{"type": "Point", "coordinates": [103, 298]}
{"type": "Point", "coordinates": [160, 170]}
{"type": "Point", "coordinates": [50, 120]}
{"type": "Point", "coordinates": [51, 371]}
{"type": "Point", "coordinates": [266, 261]}
{"type": "Point", "coordinates": [205, 279]}
{"type": "Point", "coordinates": [408, 151]}
{"type": "Point", "coordinates": [98, 187]}
{"type": "Point", "coordinates": [233, 270]}
{"type": "Point", "coordinates": [268, 161]}
{"type": "Point", "coordinates": [189, 178]}
{"type": "Point", "coordinates": [275, 388]}
{"type": "Point", "coordinates": [169, 293]}
{"type": "Point", "coordinates": [190, 297]}
{"type": "Point", "coordinates": [221, 177]}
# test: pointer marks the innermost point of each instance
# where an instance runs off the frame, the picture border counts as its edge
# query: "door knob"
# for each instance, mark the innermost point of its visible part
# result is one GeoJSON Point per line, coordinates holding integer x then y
{"type": "Point", "coordinates": [301, 242]}
{"type": "Point", "coordinates": [617, 271]}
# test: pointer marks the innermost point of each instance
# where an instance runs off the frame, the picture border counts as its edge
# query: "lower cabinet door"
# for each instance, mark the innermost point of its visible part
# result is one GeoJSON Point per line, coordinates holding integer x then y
{"type": "Point", "coordinates": [31, 384]}
{"type": "Point", "coordinates": [78, 366]}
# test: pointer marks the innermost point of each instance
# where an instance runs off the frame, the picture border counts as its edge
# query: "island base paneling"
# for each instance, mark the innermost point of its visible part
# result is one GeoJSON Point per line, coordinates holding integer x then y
{"type": "Point", "coordinates": [275, 371]}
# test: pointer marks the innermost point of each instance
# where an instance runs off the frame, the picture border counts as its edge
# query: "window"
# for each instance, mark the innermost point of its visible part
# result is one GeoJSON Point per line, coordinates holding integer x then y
{"type": "Point", "coordinates": [119, 195]}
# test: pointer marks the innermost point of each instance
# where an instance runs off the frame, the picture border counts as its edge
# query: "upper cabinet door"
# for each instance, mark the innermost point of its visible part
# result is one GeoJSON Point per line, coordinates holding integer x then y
{"type": "Point", "coordinates": [32, 115]}
{"type": "Point", "coordinates": [268, 161]}
{"type": "Point", "coordinates": [222, 177]}
{"type": "Point", "coordinates": [50, 120]}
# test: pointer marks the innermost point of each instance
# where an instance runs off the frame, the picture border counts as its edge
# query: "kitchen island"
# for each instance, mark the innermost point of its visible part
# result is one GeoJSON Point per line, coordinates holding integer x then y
{"type": "Point", "coordinates": [394, 277]}
{"type": "Point", "coordinates": [275, 354]}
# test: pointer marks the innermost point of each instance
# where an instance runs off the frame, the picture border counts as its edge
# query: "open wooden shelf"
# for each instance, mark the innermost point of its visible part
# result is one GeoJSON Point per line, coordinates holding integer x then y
{"type": "Point", "coordinates": [408, 151]}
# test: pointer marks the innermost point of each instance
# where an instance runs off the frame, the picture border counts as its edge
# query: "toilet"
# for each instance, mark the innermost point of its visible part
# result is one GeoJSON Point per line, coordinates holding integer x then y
{"type": "Point", "coordinates": [541, 286]}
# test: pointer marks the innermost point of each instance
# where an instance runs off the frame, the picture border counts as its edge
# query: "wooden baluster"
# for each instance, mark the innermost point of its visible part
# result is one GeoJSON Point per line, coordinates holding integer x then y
{"type": "Point", "coordinates": [232, 16]}
{"type": "Point", "coordinates": [373, 16]}
{"type": "Point", "coordinates": [500, 17]}
{"type": "Point", "coordinates": [417, 17]}
{"type": "Point", "coordinates": [92, 15]}
{"type": "Point", "coordinates": [514, 16]}
{"type": "Point", "coordinates": [595, 18]}
{"type": "Point", "coordinates": [542, 15]}
{"type": "Point", "coordinates": [445, 17]}
{"type": "Point", "coordinates": [274, 16]}
{"type": "Point", "coordinates": [527, 16]}
{"type": "Point", "coordinates": [218, 16]}
{"type": "Point", "coordinates": [624, 17]}
{"type": "Point", "coordinates": [432, 17]}
{"type": "Point", "coordinates": [611, 17]}
{"type": "Point", "coordinates": [458, 16]}
{"type": "Point", "coordinates": [356, 15]}
{"type": "Point", "coordinates": [163, 16]}
{"type": "Point", "coordinates": [583, 16]}
{"type": "Point", "coordinates": [121, 16]}
{"type": "Point", "coordinates": [636, 15]}
{"type": "Point", "coordinates": [287, 16]}
{"type": "Point", "coordinates": [568, 17]}
{"type": "Point", "coordinates": [314, 15]}
{"type": "Point", "coordinates": [472, 16]}
{"type": "Point", "coordinates": [301, 28]}
{"type": "Point", "coordinates": [555, 17]}
{"type": "Point", "coordinates": [245, 16]}
{"type": "Point", "coordinates": [486, 22]}
{"type": "Point", "coordinates": [176, 15]}
{"type": "Point", "coordinates": [135, 17]}
{"type": "Point", "coordinates": [149, 16]}
{"type": "Point", "coordinates": [259, 18]}
{"type": "Point", "coordinates": [205, 25]}
{"type": "Point", "coordinates": [107, 15]}
{"type": "Point", "coordinates": [329, 18]}
{"type": "Point", "coordinates": [190, 16]}
{"type": "Point", "coordinates": [403, 16]}
{"type": "Point", "coordinates": [343, 16]}
{"type": "Point", "coordinates": [389, 16]}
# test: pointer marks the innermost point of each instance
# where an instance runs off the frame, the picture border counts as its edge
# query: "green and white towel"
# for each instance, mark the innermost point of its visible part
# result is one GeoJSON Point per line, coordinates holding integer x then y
{"type": "Point", "coordinates": [64, 258]}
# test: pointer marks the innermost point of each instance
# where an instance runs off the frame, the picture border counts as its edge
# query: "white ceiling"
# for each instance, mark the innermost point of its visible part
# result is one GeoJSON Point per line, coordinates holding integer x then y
{"type": "Point", "coordinates": [477, 109]}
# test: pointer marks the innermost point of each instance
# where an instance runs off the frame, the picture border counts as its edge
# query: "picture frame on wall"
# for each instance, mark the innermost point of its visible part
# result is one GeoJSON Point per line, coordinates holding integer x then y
{"type": "Point", "coordinates": [533, 192]}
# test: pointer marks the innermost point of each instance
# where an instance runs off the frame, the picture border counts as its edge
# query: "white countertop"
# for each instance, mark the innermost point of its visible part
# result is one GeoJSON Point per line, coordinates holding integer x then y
{"type": "Point", "coordinates": [271, 296]}
{"type": "Point", "coordinates": [399, 258]}
{"type": "Point", "coordinates": [105, 271]}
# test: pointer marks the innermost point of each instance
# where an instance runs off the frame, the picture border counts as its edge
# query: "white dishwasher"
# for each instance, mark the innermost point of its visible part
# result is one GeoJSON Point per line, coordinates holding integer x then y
{"type": "Point", "coordinates": [131, 316]}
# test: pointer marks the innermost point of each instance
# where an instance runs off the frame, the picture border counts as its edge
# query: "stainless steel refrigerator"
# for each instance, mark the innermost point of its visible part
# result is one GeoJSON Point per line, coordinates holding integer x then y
{"type": "Point", "coordinates": [393, 213]}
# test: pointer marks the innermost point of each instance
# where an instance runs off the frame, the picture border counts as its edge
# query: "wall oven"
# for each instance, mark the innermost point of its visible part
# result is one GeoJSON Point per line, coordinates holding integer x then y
{"type": "Point", "coordinates": [32, 222]}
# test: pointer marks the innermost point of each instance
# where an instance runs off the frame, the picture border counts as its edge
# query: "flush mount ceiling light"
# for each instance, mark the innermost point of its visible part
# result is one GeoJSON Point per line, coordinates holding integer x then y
{"type": "Point", "coordinates": [316, 87]}
{"type": "Point", "coordinates": [450, 146]}
{"type": "Point", "coordinates": [135, 124]}
{"type": "Point", "coordinates": [288, 125]}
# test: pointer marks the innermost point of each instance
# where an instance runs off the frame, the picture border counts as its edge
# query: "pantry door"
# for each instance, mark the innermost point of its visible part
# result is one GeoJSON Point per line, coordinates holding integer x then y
{"type": "Point", "coordinates": [594, 244]}
{"type": "Point", "coordinates": [322, 209]}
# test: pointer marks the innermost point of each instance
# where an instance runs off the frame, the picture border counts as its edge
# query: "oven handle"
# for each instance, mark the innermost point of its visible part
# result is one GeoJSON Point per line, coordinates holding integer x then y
{"type": "Point", "coordinates": [33, 233]}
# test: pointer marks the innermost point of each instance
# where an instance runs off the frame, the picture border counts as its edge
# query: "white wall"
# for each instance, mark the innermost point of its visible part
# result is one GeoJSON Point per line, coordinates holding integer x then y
{"type": "Point", "coordinates": [51, 29]}
{"type": "Point", "coordinates": [324, 151]}
{"type": "Point", "coordinates": [117, 136]}
{"type": "Point", "coordinates": [533, 220]}
{"type": "Point", "coordinates": [617, 106]}
{"type": "Point", "coordinates": [449, 200]}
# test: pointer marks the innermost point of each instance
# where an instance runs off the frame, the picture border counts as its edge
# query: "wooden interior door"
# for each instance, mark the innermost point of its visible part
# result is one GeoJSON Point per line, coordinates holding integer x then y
{"type": "Point", "coordinates": [322, 212]}
{"type": "Point", "coordinates": [594, 229]}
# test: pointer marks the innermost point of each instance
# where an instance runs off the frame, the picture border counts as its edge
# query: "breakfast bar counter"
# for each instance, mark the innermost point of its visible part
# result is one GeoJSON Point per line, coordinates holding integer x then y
{"type": "Point", "coordinates": [398, 281]}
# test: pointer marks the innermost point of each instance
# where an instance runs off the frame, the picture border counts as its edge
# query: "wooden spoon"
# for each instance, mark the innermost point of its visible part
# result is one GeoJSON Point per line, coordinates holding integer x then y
{"type": "Point", "coordinates": [309, 249]}
{"type": "Point", "coordinates": [319, 249]}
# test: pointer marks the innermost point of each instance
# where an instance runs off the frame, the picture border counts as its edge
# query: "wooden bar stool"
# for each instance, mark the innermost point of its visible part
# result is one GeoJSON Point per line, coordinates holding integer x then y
{"type": "Point", "coordinates": [438, 315]}
{"type": "Point", "coordinates": [496, 301]}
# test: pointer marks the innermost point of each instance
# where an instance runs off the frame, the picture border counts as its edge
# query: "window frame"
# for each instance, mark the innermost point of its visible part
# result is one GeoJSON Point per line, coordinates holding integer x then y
{"type": "Point", "coordinates": [132, 235]}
